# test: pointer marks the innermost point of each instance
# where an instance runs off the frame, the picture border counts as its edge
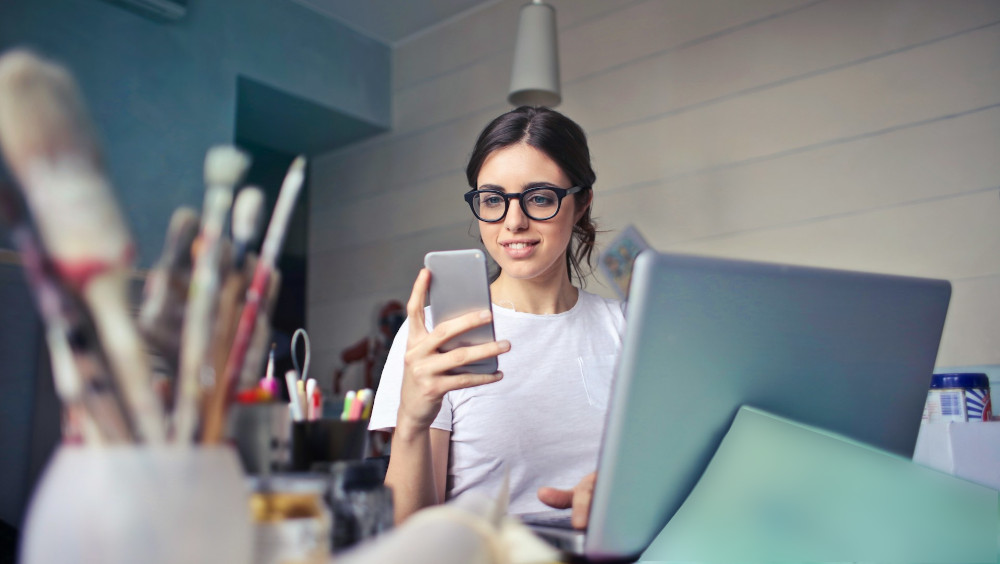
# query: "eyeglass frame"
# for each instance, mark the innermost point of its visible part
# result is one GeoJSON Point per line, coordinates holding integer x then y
{"type": "Point", "coordinates": [560, 194]}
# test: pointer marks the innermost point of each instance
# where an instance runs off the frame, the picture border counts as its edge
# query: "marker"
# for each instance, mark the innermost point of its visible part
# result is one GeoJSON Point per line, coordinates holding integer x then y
{"type": "Point", "coordinates": [357, 407]}
{"type": "Point", "coordinates": [317, 403]}
{"type": "Point", "coordinates": [300, 388]}
{"type": "Point", "coordinates": [310, 391]}
{"type": "Point", "coordinates": [368, 396]}
{"type": "Point", "coordinates": [291, 381]}
{"type": "Point", "coordinates": [268, 383]}
{"type": "Point", "coordinates": [345, 415]}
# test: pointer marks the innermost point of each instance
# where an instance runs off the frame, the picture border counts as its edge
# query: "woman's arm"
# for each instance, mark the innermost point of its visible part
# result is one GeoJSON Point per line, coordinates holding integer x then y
{"type": "Point", "coordinates": [419, 457]}
{"type": "Point", "coordinates": [418, 469]}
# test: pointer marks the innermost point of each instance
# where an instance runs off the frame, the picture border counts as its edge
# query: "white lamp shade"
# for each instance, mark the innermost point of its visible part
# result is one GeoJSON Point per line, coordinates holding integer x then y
{"type": "Point", "coordinates": [534, 80]}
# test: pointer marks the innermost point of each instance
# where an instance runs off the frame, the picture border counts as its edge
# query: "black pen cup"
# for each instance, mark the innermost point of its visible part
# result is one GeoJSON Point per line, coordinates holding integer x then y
{"type": "Point", "coordinates": [315, 445]}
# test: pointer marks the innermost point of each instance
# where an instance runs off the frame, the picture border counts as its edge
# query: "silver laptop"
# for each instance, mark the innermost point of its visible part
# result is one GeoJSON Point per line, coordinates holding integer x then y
{"type": "Point", "coordinates": [849, 352]}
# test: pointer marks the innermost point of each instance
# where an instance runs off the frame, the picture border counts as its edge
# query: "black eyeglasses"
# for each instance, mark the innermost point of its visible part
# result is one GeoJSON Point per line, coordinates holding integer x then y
{"type": "Point", "coordinates": [539, 203]}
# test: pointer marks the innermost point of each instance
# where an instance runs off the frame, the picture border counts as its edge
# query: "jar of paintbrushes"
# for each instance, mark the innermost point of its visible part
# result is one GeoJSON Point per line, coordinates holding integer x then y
{"type": "Point", "coordinates": [144, 474]}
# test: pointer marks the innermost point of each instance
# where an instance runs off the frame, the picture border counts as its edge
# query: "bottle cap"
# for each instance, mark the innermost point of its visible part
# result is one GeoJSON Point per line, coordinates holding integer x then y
{"type": "Point", "coordinates": [960, 380]}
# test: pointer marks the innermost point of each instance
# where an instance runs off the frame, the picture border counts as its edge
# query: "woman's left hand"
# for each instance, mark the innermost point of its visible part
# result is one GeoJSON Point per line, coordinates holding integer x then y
{"type": "Point", "coordinates": [578, 498]}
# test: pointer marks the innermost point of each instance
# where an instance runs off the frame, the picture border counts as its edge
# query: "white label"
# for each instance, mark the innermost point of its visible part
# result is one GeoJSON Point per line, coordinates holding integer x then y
{"type": "Point", "coordinates": [945, 405]}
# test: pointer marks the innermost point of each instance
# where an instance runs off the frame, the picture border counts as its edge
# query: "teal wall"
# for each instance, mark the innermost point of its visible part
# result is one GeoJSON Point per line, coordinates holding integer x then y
{"type": "Point", "coordinates": [163, 92]}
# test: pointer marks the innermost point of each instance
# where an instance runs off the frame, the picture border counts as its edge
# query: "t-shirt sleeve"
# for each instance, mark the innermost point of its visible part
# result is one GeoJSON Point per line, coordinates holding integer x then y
{"type": "Point", "coordinates": [386, 404]}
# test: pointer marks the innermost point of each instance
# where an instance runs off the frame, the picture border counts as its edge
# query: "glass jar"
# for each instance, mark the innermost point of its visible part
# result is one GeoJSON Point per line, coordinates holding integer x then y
{"type": "Point", "coordinates": [291, 519]}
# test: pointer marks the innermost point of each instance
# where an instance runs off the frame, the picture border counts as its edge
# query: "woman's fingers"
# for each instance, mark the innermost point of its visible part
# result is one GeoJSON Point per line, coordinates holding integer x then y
{"type": "Point", "coordinates": [447, 362]}
{"type": "Point", "coordinates": [443, 331]}
{"type": "Point", "coordinates": [555, 497]}
{"type": "Point", "coordinates": [446, 330]}
{"type": "Point", "coordinates": [433, 370]}
{"type": "Point", "coordinates": [415, 305]}
{"type": "Point", "coordinates": [581, 506]}
{"type": "Point", "coordinates": [579, 498]}
{"type": "Point", "coordinates": [460, 381]}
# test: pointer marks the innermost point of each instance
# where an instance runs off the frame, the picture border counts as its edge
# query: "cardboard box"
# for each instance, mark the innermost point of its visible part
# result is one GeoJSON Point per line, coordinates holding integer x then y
{"type": "Point", "coordinates": [967, 450]}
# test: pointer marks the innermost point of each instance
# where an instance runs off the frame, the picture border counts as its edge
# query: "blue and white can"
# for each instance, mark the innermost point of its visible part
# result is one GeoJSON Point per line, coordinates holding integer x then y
{"type": "Point", "coordinates": [958, 397]}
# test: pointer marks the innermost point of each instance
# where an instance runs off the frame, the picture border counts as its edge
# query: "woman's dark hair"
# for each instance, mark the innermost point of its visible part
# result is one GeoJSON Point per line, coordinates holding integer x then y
{"type": "Point", "coordinates": [563, 141]}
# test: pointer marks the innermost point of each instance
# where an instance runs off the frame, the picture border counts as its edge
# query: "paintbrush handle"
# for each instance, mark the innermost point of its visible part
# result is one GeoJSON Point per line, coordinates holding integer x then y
{"type": "Point", "coordinates": [202, 301]}
{"type": "Point", "coordinates": [214, 423]}
{"type": "Point", "coordinates": [256, 355]}
{"type": "Point", "coordinates": [230, 302]}
{"type": "Point", "coordinates": [283, 208]}
{"type": "Point", "coordinates": [126, 355]}
{"type": "Point", "coordinates": [81, 384]}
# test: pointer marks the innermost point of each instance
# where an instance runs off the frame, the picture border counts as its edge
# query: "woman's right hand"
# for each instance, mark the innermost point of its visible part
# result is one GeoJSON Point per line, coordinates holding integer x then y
{"type": "Point", "coordinates": [425, 378]}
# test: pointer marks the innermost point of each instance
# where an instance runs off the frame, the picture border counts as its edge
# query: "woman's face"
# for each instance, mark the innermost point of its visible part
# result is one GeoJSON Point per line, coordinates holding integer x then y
{"type": "Point", "coordinates": [525, 248]}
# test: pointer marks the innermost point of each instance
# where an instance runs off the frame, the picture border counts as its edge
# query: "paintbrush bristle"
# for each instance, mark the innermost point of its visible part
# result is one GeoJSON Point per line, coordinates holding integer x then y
{"type": "Point", "coordinates": [225, 165]}
{"type": "Point", "coordinates": [49, 142]}
{"type": "Point", "coordinates": [246, 213]}
{"type": "Point", "coordinates": [181, 234]}
{"type": "Point", "coordinates": [42, 114]}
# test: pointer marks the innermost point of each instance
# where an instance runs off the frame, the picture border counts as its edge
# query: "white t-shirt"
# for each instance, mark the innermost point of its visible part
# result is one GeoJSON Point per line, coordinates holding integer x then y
{"type": "Point", "coordinates": [543, 420]}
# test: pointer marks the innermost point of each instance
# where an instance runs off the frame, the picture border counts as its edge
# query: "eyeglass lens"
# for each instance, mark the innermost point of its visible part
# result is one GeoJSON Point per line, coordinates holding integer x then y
{"type": "Point", "coordinates": [538, 203]}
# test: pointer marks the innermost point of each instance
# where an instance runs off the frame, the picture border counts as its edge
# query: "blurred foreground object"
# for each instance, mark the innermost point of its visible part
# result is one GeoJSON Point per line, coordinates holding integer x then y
{"type": "Point", "coordinates": [50, 147]}
{"type": "Point", "coordinates": [149, 505]}
{"type": "Point", "coordinates": [469, 530]}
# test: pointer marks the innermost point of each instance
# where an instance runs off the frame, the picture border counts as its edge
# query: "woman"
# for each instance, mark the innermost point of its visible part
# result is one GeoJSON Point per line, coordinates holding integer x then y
{"type": "Point", "coordinates": [540, 417]}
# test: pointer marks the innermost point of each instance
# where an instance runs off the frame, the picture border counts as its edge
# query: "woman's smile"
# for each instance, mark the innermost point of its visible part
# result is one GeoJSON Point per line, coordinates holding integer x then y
{"type": "Point", "coordinates": [519, 248]}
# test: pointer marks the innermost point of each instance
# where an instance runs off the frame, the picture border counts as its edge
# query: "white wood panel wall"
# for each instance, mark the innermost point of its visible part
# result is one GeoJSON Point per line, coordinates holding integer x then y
{"type": "Point", "coordinates": [859, 134]}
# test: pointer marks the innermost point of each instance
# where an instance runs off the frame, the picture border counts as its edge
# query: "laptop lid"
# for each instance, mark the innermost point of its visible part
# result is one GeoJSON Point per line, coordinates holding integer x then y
{"type": "Point", "coordinates": [845, 351]}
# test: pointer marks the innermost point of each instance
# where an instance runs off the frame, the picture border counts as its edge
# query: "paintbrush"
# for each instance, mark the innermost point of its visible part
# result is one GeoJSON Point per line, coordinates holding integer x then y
{"type": "Point", "coordinates": [224, 167]}
{"type": "Point", "coordinates": [256, 353]}
{"type": "Point", "coordinates": [258, 291]}
{"type": "Point", "coordinates": [161, 316]}
{"type": "Point", "coordinates": [247, 213]}
{"type": "Point", "coordinates": [80, 375]}
{"type": "Point", "coordinates": [245, 223]}
{"type": "Point", "coordinates": [50, 147]}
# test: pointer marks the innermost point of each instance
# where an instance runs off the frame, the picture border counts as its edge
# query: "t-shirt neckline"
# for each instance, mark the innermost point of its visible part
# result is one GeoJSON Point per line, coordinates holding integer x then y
{"type": "Point", "coordinates": [512, 312]}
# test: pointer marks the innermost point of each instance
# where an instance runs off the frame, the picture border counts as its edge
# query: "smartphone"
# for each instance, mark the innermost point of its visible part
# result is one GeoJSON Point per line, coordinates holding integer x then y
{"type": "Point", "coordinates": [459, 285]}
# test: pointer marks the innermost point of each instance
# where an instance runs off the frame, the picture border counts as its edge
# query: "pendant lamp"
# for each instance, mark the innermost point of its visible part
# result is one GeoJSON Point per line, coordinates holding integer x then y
{"type": "Point", "coordinates": [534, 80]}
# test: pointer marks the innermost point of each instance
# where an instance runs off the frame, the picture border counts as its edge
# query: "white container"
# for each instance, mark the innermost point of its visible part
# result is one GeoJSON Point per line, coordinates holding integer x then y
{"type": "Point", "coordinates": [149, 505]}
